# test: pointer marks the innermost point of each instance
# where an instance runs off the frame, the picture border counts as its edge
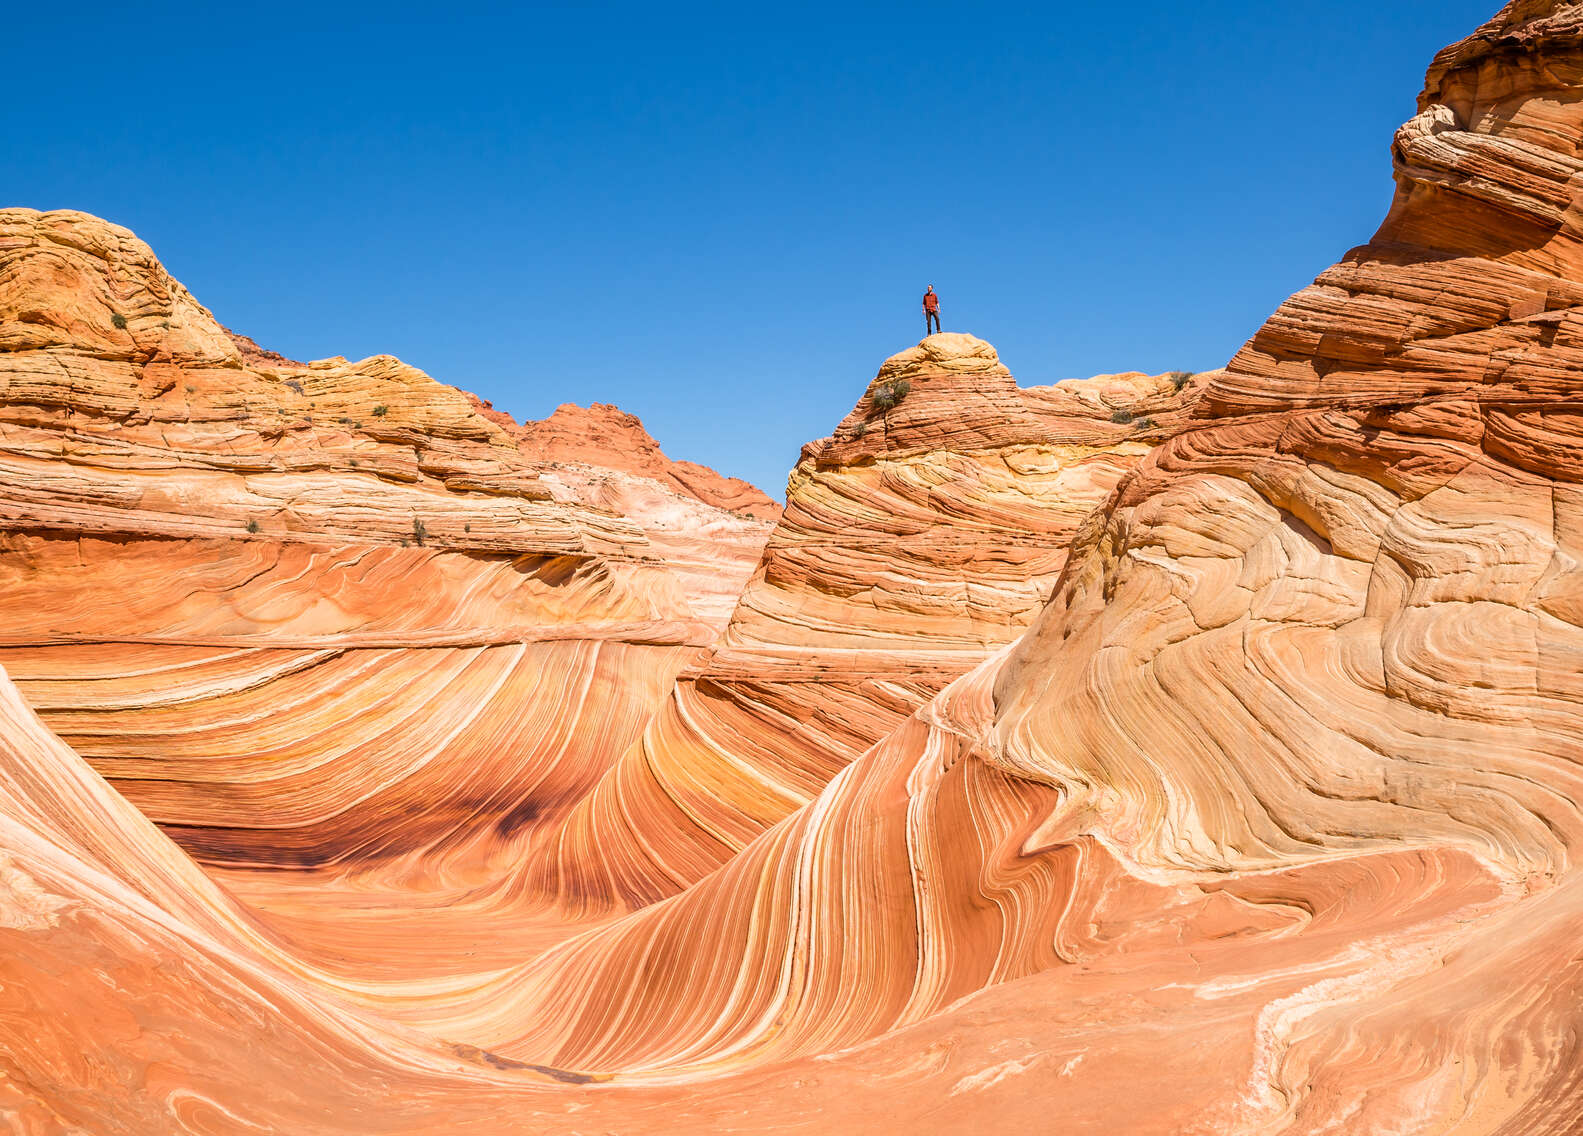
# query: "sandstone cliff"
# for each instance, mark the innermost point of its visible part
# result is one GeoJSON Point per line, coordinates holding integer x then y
{"type": "Point", "coordinates": [606, 437]}
{"type": "Point", "coordinates": [303, 613]}
{"type": "Point", "coordinates": [1210, 771]}
{"type": "Point", "coordinates": [1287, 764]}
{"type": "Point", "coordinates": [915, 543]}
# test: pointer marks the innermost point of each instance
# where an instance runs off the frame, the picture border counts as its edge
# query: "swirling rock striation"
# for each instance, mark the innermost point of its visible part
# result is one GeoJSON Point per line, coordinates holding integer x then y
{"type": "Point", "coordinates": [1297, 732]}
{"type": "Point", "coordinates": [324, 612]}
{"type": "Point", "coordinates": [1261, 801]}
{"type": "Point", "coordinates": [606, 437]}
{"type": "Point", "coordinates": [916, 541]}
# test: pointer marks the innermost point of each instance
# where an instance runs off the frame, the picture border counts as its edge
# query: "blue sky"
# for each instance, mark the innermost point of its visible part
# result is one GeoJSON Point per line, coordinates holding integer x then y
{"type": "Point", "coordinates": [721, 216]}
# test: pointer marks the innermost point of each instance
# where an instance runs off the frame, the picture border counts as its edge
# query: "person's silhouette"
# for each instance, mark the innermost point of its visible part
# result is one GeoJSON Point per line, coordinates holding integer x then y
{"type": "Point", "coordinates": [931, 311]}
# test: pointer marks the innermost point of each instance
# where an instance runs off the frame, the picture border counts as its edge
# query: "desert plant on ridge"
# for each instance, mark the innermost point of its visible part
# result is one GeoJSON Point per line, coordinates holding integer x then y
{"type": "Point", "coordinates": [887, 395]}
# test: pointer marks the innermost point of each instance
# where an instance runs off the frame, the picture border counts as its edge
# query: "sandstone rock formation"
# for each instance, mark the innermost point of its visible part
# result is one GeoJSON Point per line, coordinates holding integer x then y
{"type": "Point", "coordinates": [314, 613]}
{"type": "Point", "coordinates": [1210, 771]}
{"type": "Point", "coordinates": [606, 437]}
{"type": "Point", "coordinates": [915, 543]}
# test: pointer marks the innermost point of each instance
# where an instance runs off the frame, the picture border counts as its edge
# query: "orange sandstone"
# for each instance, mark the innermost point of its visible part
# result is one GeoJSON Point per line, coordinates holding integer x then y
{"type": "Point", "coordinates": [1227, 754]}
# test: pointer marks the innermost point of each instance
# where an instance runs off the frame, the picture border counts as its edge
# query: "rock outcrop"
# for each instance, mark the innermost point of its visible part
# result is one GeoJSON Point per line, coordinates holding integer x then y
{"type": "Point", "coordinates": [915, 543]}
{"type": "Point", "coordinates": [313, 613]}
{"type": "Point", "coordinates": [1218, 744]}
{"type": "Point", "coordinates": [606, 437]}
{"type": "Point", "coordinates": [1296, 734]}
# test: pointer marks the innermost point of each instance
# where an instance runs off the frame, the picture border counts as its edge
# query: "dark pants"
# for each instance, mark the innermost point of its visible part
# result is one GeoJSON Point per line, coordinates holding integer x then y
{"type": "Point", "coordinates": [930, 319]}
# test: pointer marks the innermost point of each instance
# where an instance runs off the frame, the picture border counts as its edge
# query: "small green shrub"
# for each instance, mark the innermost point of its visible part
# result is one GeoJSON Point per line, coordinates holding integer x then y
{"type": "Point", "coordinates": [887, 396]}
{"type": "Point", "coordinates": [252, 526]}
{"type": "Point", "coordinates": [1146, 424]}
{"type": "Point", "coordinates": [119, 320]}
{"type": "Point", "coordinates": [381, 411]}
{"type": "Point", "coordinates": [1121, 417]}
{"type": "Point", "coordinates": [294, 385]}
{"type": "Point", "coordinates": [1180, 379]}
{"type": "Point", "coordinates": [860, 429]}
{"type": "Point", "coordinates": [418, 532]}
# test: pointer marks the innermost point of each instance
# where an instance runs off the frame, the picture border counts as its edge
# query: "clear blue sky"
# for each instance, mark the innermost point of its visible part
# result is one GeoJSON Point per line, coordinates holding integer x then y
{"type": "Point", "coordinates": [721, 216]}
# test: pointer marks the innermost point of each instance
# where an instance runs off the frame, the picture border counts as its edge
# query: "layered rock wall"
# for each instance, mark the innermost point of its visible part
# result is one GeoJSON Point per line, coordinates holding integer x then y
{"type": "Point", "coordinates": [1258, 796]}
{"type": "Point", "coordinates": [315, 613]}
{"type": "Point", "coordinates": [916, 542]}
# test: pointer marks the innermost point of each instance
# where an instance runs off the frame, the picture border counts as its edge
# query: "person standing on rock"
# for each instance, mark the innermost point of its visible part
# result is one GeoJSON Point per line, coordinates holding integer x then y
{"type": "Point", "coordinates": [931, 312]}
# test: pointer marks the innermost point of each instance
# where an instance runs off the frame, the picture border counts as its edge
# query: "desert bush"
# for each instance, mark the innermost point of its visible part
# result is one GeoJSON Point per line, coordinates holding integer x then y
{"type": "Point", "coordinates": [418, 532]}
{"type": "Point", "coordinates": [1121, 417]}
{"type": "Point", "coordinates": [119, 320]}
{"type": "Point", "coordinates": [381, 411]}
{"type": "Point", "coordinates": [252, 526]}
{"type": "Point", "coordinates": [887, 396]}
{"type": "Point", "coordinates": [1180, 379]}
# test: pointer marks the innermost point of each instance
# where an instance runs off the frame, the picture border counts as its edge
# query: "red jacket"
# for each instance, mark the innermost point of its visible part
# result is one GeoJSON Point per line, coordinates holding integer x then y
{"type": "Point", "coordinates": [931, 301]}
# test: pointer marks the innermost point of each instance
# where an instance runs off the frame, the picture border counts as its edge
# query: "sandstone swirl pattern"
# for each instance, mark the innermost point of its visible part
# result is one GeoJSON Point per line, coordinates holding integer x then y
{"type": "Point", "coordinates": [315, 614]}
{"type": "Point", "coordinates": [1246, 802]}
{"type": "Point", "coordinates": [916, 541]}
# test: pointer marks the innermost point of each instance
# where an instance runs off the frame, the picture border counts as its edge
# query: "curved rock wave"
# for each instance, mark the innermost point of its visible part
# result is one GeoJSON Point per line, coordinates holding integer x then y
{"type": "Point", "coordinates": [916, 542]}
{"type": "Point", "coordinates": [324, 614]}
{"type": "Point", "coordinates": [1219, 743]}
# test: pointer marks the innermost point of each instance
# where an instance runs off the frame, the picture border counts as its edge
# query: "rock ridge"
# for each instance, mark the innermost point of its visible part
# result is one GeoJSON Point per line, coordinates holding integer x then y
{"type": "Point", "coordinates": [295, 549]}
{"type": "Point", "coordinates": [1234, 760]}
